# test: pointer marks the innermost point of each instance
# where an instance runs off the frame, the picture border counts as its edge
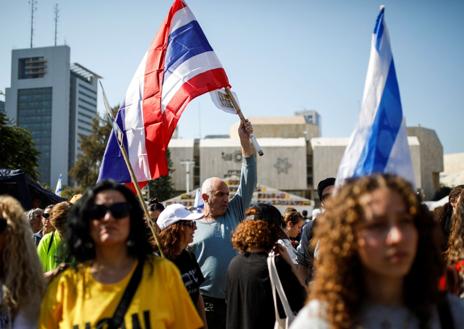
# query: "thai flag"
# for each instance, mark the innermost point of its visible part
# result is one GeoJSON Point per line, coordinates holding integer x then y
{"type": "Point", "coordinates": [179, 66]}
{"type": "Point", "coordinates": [379, 144]}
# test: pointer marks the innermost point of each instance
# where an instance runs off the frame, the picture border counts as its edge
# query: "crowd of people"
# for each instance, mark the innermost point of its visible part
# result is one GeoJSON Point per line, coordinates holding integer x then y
{"type": "Point", "coordinates": [372, 256]}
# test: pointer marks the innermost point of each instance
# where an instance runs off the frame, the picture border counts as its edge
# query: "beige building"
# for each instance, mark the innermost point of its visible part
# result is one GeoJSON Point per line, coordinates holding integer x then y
{"type": "Point", "coordinates": [453, 173]}
{"type": "Point", "coordinates": [303, 124]}
{"type": "Point", "coordinates": [328, 153]}
{"type": "Point", "coordinates": [295, 157]}
{"type": "Point", "coordinates": [431, 158]}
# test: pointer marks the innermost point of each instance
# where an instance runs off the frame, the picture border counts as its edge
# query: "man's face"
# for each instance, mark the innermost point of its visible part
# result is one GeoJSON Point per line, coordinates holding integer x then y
{"type": "Point", "coordinates": [218, 201]}
{"type": "Point", "coordinates": [36, 222]}
{"type": "Point", "coordinates": [326, 194]}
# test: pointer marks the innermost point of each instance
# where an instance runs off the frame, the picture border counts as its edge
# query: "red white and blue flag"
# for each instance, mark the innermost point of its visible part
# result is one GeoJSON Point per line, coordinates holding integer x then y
{"type": "Point", "coordinates": [179, 66]}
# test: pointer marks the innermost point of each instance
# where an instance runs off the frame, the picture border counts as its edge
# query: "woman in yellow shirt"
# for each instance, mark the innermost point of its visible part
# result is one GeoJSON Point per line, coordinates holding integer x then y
{"type": "Point", "coordinates": [108, 239]}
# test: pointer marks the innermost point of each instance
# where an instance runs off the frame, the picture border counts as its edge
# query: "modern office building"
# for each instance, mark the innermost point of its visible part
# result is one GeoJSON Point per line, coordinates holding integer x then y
{"type": "Point", "coordinates": [56, 101]}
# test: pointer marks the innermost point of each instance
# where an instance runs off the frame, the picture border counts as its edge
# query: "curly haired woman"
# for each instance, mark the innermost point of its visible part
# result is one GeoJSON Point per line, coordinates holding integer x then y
{"type": "Point", "coordinates": [379, 262]}
{"type": "Point", "coordinates": [454, 254]}
{"type": "Point", "coordinates": [248, 288]}
{"type": "Point", "coordinates": [21, 281]}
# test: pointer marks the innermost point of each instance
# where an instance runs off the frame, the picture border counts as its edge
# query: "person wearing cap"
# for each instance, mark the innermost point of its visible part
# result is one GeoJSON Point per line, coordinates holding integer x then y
{"type": "Point", "coordinates": [211, 243]}
{"type": "Point", "coordinates": [178, 225]}
{"type": "Point", "coordinates": [305, 254]}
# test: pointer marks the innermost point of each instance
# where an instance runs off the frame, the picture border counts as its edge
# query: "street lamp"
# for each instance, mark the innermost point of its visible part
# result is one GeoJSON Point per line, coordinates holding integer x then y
{"type": "Point", "coordinates": [187, 164]}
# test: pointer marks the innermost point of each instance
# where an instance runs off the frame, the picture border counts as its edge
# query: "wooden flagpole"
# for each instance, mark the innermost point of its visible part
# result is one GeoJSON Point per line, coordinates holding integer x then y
{"type": "Point", "coordinates": [152, 226]}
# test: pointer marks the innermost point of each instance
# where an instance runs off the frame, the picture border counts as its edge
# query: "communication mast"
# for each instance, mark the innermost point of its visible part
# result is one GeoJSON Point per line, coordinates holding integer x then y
{"type": "Point", "coordinates": [57, 12]}
{"type": "Point", "coordinates": [33, 4]}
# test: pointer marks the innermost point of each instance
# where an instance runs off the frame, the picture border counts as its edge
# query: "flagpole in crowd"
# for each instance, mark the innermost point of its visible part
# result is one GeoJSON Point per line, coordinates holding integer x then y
{"type": "Point", "coordinates": [242, 118]}
{"type": "Point", "coordinates": [117, 131]}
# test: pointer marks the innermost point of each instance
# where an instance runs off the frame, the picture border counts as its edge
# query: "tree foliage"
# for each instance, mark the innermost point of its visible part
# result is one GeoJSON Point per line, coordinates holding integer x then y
{"type": "Point", "coordinates": [86, 168]}
{"type": "Point", "coordinates": [162, 188]}
{"type": "Point", "coordinates": [17, 149]}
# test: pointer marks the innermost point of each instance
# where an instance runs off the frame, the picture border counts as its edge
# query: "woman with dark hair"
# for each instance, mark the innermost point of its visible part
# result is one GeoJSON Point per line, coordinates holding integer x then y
{"type": "Point", "coordinates": [108, 241]}
{"type": "Point", "coordinates": [454, 253]}
{"type": "Point", "coordinates": [21, 279]}
{"type": "Point", "coordinates": [292, 222]}
{"type": "Point", "coordinates": [248, 289]}
{"type": "Point", "coordinates": [379, 262]}
{"type": "Point", "coordinates": [445, 213]}
{"type": "Point", "coordinates": [154, 209]}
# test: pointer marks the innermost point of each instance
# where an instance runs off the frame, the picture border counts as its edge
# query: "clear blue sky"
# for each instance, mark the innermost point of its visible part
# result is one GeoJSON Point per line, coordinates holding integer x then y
{"type": "Point", "coordinates": [280, 56]}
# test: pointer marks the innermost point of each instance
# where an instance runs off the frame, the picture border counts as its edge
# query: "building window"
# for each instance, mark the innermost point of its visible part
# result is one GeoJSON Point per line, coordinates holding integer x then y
{"type": "Point", "coordinates": [35, 115]}
{"type": "Point", "coordinates": [32, 68]}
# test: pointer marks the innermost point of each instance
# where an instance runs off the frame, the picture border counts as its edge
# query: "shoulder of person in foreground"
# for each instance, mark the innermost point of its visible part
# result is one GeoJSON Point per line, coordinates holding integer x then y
{"type": "Point", "coordinates": [61, 283]}
{"type": "Point", "coordinates": [456, 306]}
{"type": "Point", "coordinates": [27, 316]}
{"type": "Point", "coordinates": [311, 316]}
{"type": "Point", "coordinates": [185, 313]}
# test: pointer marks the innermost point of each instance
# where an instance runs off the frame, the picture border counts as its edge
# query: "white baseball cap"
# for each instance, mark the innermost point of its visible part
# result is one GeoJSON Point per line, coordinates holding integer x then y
{"type": "Point", "coordinates": [174, 213]}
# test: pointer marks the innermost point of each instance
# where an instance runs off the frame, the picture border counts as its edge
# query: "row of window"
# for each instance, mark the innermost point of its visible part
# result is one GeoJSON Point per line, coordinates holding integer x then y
{"type": "Point", "coordinates": [86, 115]}
{"type": "Point", "coordinates": [87, 102]}
{"type": "Point", "coordinates": [32, 67]}
{"type": "Point", "coordinates": [81, 92]}
{"type": "Point", "coordinates": [88, 89]}
{"type": "Point", "coordinates": [87, 109]}
{"type": "Point", "coordinates": [84, 129]}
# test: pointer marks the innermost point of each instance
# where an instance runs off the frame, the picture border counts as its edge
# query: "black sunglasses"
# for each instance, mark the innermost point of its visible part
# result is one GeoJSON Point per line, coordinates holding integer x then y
{"type": "Point", "coordinates": [46, 215]}
{"type": "Point", "coordinates": [3, 224]}
{"type": "Point", "coordinates": [189, 223]}
{"type": "Point", "coordinates": [118, 210]}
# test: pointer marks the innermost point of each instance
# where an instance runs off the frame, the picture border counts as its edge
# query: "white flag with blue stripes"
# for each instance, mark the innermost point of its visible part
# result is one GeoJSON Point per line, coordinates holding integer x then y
{"type": "Point", "coordinates": [379, 143]}
{"type": "Point", "coordinates": [59, 187]}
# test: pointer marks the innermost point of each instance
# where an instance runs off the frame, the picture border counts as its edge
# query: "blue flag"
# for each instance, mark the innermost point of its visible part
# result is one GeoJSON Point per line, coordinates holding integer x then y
{"type": "Point", "coordinates": [379, 143]}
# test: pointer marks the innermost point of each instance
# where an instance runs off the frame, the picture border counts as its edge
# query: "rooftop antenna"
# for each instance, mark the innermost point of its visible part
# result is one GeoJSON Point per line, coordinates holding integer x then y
{"type": "Point", "coordinates": [33, 4]}
{"type": "Point", "coordinates": [57, 12]}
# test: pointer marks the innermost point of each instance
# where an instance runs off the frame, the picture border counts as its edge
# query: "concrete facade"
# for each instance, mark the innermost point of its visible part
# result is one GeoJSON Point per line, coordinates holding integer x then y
{"type": "Point", "coordinates": [181, 150]}
{"type": "Point", "coordinates": [296, 165]}
{"type": "Point", "coordinates": [431, 158]}
{"type": "Point", "coordinates": [282, 127]}
{"type": "Point", "coordinates": [453, 173]}
{"type": "Point", "coordinates": [328, 153]}
{"type": "Point", "coordinates": [47, 96]}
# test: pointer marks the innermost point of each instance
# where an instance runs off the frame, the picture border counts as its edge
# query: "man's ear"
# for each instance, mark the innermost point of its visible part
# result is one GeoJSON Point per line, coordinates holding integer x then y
{"type": "Point", "coordinates": [205, 197]}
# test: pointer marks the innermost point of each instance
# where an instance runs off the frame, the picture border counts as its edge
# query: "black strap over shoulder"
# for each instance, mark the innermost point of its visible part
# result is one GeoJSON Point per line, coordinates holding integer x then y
{"type": "Point", "coordinates": [50, 243]}
{"type": "Point", "coordinates": [444, 313]}
{"type": "Point", "coordinates": [126, 299]}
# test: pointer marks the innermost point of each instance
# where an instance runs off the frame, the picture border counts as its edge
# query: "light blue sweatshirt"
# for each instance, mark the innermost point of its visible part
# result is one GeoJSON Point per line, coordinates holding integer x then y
{"type": "Point", "coordinates": [212, 241]}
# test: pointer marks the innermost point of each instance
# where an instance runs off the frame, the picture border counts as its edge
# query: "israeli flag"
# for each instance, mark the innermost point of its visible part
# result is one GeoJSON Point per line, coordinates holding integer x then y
{"type": "Point", "coordinates": [198, 204]}
{"type": "Point", "coordinates": [59, 187]}
{"type": "Point", "coordinates": [379, 143]}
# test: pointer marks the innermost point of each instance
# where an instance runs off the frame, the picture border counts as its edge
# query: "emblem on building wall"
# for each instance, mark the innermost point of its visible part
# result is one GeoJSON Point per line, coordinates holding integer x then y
{"type": "Point", "coordinates": [282, 165]}
{"type": "Point", "coordinates": [233, 156]}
